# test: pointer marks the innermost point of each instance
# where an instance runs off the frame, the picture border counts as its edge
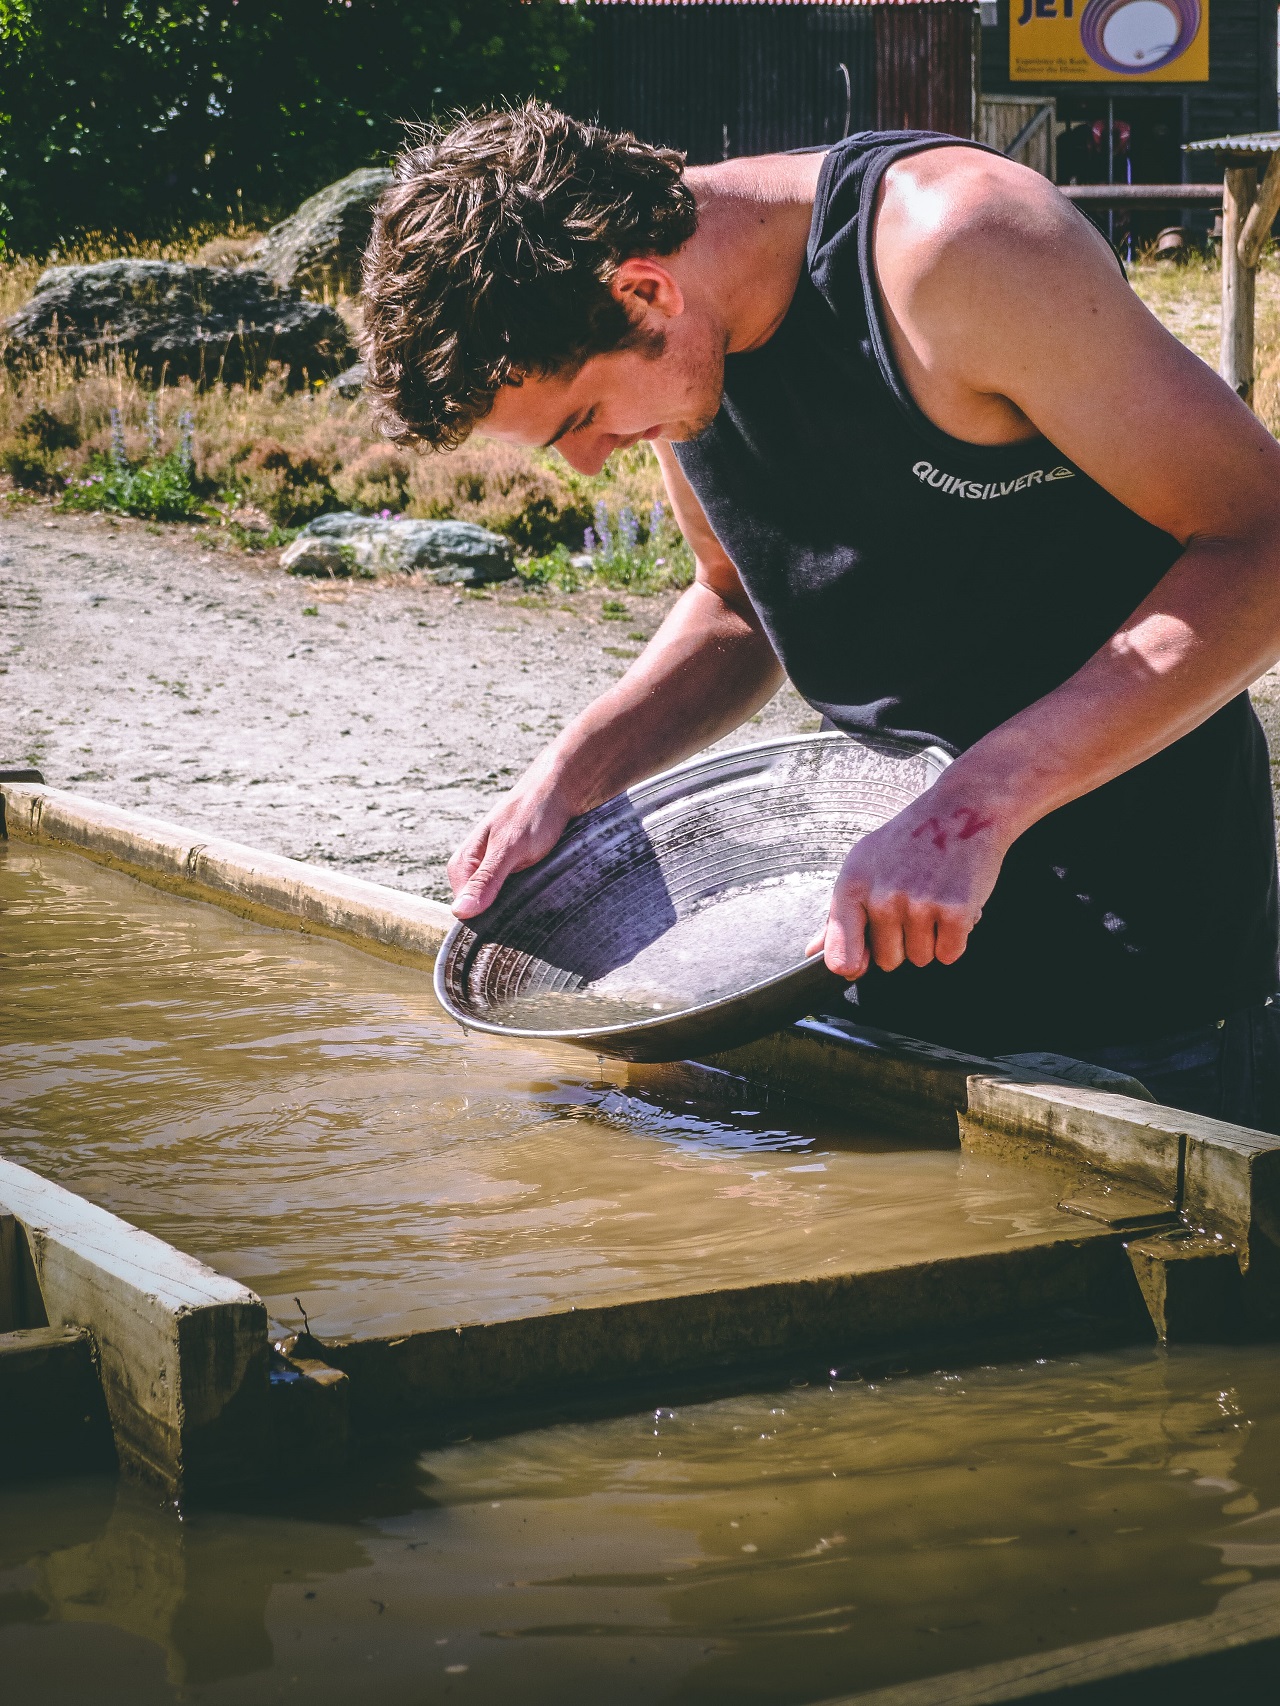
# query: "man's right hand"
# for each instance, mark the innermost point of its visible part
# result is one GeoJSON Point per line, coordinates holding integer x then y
{"type": "Point", "coordinates": [706, 670]}
{"type": "Point", "coordinates": [520, 830]}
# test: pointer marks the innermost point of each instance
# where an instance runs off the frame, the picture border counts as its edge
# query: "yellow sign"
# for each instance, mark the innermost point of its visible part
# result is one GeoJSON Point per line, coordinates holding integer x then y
{"type": "Point", "coordinates": [1109, 41]}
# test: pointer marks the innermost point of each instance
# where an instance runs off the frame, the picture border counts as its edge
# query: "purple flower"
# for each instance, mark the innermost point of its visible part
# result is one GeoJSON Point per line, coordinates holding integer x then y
{"type": "Point", "coordinates": [602, 528]}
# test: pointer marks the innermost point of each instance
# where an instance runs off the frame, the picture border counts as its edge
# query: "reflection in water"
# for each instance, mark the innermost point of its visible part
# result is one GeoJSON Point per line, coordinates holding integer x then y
{"type": "Point", "coordinates": [771, 1549]}
{"type": "Point", "coordinates": [303, 1117]}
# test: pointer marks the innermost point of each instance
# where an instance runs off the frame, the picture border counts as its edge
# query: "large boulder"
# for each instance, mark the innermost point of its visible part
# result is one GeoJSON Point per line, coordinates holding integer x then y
{"type": "Point", "coordinates": [319, 247]}
{"type": "Point", "coordinates": [178, 320]}
{"type": "Point", "coordinates": [451, 552]}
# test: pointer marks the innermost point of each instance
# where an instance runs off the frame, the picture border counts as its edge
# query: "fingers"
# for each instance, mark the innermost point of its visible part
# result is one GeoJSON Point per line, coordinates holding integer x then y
{"type": "Point", "coordinates": [888, 930]}
{"type": "Point", "coordinates": [517, 834]}
{"type": "Point", "coordinates": [476, 872]}
{"type": "Point", "coordinates": [952, 935]}
{"type": "Point", "coordinates": [481, 888]}
{"type": "Point", "coordinates": [845, 938]}
{"type": "Point", "coordinates": [464, 861]}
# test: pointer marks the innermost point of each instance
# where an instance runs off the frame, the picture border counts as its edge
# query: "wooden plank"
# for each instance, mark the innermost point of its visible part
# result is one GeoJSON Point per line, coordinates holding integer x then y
{"type": "Point", "coordinates": [261, 886]}
{"type": "Point", "coordinates": [1143, 195]}
{"type": "Point", "coordinates": [1248, 1620]}
{"type": "Point", "coordinates": [836, 1063]}
{"type": "Point", "coordinates": [182, 1350]}
{"type": "Point", "coordinates": [497, 1372]}
{"type": "Point", "coordinates": [10, 1293]}
{"type": "Point", "coordinates": [1117, 1137]}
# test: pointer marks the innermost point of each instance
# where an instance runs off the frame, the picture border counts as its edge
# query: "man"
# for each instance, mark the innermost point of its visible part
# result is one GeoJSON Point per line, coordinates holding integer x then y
{"type": "Point", "coordinates": [937, 462]}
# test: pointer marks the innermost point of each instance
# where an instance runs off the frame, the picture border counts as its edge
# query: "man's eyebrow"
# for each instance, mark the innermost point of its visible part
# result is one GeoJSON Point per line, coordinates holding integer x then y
{"type": "Point", "coordinates": [565, 425]}
{"type": "Point", "coordinates": [570, 423]}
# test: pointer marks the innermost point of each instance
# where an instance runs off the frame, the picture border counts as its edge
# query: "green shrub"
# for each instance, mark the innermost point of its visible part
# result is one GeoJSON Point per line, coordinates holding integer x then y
{"type": "Point", "coordinates": [288, 483]}
{"type": "Point", "coordinates": [30, 454]}
{"type": "Point", "coordinates": [377, 479]}
{"type": "Point", "coordinates": [159, 489]}
{"type": "Point", "coordinates": [554, 569]}
{"type": "Point", "coordinates": [29, 467]}
{"type": "Point", "coordinates": [636, 557]}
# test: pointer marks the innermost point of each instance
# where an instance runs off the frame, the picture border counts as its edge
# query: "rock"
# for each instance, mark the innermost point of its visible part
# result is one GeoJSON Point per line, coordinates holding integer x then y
{"type": "Point", "coordinates": [320, 247]}
{"type": "Point", "coordinates": [349, 384]}
{"type": "Point", "coordinates": [449, 551]}
{"type": "Point", "coordinates": [179, 320]}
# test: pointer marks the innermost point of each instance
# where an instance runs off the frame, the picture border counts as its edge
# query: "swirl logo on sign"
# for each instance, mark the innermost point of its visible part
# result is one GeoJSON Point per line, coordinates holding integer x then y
{"type": "Point", "coordinates": [1128, 37]}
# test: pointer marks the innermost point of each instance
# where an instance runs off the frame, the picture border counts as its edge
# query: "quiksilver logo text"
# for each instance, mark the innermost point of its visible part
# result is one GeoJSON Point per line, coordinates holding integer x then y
{"type": "Point", "coordinates": [957, 486]}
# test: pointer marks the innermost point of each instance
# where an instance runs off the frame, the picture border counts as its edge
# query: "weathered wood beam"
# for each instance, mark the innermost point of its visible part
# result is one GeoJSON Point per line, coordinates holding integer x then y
{"type": "Point", "coordinates": [1257, 227]}
{"type": "Point", "coordinates": [1235, 363]}
{"type": "Point", "coordinates": [182, 1351]}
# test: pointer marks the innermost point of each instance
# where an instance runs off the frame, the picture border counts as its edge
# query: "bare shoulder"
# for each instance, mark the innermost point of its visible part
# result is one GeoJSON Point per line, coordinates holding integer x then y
{"type": "Point", "coordinates": [991, 283]}
{"type": "Point", "coordinates": [953, 222]}
{"type": "Point", "coordinates": [759, 177]}
{"type": "Point", "coordinates": [1008, 312]}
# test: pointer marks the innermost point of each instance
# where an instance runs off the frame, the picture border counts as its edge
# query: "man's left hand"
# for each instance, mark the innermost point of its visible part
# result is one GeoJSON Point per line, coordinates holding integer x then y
{"type": "Point", "coordinates": [914, 888]}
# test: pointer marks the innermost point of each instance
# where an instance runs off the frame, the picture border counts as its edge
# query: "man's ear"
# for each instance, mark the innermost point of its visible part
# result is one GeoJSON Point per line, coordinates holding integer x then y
{"type": "Point", "coordinates": [642, 282]}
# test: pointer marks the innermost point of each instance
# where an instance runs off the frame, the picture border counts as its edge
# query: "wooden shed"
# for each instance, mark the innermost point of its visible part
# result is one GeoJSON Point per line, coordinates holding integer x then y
{"type": "Point", "coordinates": [726, 77]}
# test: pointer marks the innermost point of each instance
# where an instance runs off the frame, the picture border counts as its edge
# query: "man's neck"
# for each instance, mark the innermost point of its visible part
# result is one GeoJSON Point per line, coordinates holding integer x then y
{"type": "Point", "coordinates": [745, 259]}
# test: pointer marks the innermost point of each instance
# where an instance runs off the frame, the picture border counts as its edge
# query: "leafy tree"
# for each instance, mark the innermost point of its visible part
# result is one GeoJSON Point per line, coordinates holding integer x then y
{"type": "Point", "coordinates": [142, 117]}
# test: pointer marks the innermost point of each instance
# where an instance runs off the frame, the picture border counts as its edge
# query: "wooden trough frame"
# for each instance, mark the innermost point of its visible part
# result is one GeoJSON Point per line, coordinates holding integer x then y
{"type": "Point", "coordinates": [1169, 1230]}
{"type": "Point", "coordinates": [1169, 1222]}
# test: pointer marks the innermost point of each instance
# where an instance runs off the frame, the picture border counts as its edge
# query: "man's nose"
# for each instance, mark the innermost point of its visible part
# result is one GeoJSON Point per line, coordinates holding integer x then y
{"type": "Point", "coordinates": [588, 458]}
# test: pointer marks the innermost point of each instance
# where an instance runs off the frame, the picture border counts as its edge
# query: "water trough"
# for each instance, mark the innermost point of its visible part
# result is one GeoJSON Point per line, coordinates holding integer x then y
{"type": "Point", "coordinates": [1145, 1223]}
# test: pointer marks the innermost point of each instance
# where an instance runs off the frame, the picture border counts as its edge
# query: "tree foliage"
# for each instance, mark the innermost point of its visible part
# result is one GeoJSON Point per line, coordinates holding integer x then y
{"type": "Point", "coordinates": [142, 117]}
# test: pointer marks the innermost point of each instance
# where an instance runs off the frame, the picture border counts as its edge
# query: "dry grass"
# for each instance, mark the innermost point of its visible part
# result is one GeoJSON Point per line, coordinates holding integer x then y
{"type": "Point", "coordinates": [1187, 297]}
{"type": "Point", "coordinates": [271, 459]}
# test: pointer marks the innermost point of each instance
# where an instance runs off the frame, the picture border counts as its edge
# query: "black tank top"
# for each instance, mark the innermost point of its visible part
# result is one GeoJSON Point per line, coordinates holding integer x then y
{"type": "Point", "coordinates": [914, 584]}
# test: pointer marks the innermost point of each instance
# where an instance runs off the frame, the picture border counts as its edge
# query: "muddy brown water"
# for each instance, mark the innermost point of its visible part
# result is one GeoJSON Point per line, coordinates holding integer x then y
{"type": "Point", "coordinates": [305, 1118]}
{"type": "Point", "coordinates": [768, 1550]}
{"type": "Point", "coordinates": [302, 1116]}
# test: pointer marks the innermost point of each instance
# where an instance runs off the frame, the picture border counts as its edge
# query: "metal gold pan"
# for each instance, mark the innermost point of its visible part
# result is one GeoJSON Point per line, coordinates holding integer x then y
{"type": "Point", "coordinates": [672, 920]}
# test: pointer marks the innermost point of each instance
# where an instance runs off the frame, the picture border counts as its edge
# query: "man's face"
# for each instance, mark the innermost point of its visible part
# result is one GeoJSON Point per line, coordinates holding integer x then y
{"type": "Point", "coordinates": [670, 389]}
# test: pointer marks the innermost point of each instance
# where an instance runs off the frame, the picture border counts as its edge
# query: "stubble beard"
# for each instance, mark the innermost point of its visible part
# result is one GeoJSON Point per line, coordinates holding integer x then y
{"type": "Point", "coordinates": [702, 387]}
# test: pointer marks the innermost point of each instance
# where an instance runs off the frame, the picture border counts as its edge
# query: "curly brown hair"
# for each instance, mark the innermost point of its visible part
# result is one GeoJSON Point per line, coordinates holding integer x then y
{"type": "Point", "coordinates": [491, 259]}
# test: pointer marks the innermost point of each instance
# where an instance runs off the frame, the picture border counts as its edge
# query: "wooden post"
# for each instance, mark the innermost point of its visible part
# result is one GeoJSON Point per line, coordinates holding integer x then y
{"type": "Point", "coordinates": [1239, 187]}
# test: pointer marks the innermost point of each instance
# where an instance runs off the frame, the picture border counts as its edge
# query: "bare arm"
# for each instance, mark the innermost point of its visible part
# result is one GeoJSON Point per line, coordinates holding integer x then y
{"type": "Point", "coordinates": [1005, 308]}
{"type": "Point", "coordinates": [707, 669]}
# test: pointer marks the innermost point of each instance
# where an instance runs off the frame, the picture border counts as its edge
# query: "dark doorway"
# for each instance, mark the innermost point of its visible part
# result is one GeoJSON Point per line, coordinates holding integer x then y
{"type": "Point", "coordinates": [1144, 147]}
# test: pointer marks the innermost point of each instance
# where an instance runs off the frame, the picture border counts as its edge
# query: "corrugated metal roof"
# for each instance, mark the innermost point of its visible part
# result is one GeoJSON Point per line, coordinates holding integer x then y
{"type": "Point", "coordinates": [1253, 142]}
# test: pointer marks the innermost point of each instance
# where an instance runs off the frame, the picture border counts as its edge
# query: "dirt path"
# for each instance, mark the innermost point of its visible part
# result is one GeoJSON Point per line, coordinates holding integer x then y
{"type": "Point", "coordinates": [139, 669]}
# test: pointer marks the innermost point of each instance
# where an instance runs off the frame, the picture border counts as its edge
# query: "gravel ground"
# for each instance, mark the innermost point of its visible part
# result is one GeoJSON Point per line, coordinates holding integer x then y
{"type": "Point", "coordinates": [141, 669]}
